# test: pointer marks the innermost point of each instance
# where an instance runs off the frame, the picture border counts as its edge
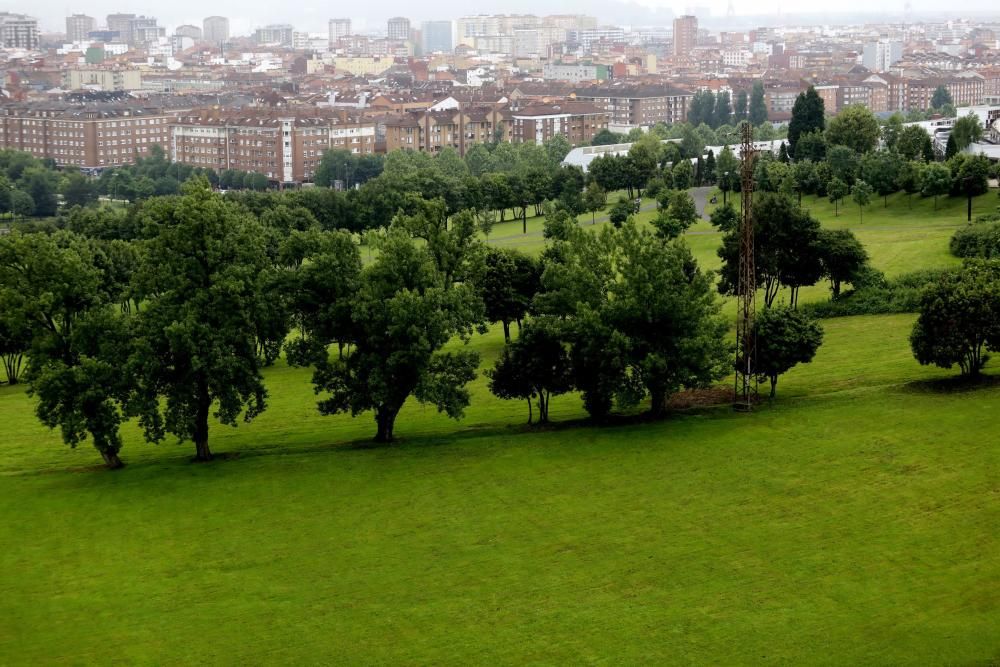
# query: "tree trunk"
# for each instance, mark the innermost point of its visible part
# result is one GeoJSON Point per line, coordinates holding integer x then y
{"type": "Point", "coordinates": [385, 418]}
{"type": "Point", "coordinates": [506, 331]}
{"type": "Point", "coordinates": [524, 220]}
{"type": "Point", "coordinates": [530, 414]}
{"type": "Point", "coordinates": [202, 452]}
{"type": "Point", "coordinates": [543, 408]}
{"type": "Point", "coordinates": [658, 401]}
{"type": "Point", "coordinates": [774, 384]}
{"type": "Point", "coordinates": [112, 461]}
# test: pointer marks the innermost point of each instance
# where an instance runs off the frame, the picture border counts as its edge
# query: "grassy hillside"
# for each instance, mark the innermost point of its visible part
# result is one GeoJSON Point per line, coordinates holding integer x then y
{"type": "Point", "coordinates": [852, 522]}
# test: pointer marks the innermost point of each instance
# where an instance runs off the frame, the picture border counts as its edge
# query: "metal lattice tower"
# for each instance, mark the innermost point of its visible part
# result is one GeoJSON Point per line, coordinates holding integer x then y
{"type": "Point", "coordinates": [746, 291]}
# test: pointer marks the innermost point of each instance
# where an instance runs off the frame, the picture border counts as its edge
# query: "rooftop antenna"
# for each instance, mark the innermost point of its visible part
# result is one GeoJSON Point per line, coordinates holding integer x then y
{"type": "Point", "coordinates": [746, 290]}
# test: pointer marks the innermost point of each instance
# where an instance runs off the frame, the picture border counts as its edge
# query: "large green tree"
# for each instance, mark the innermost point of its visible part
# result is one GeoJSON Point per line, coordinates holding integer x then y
{"type": "Point", "coordinates": [78, 337]}
{"type": "Point", "coordinates": [842, 255]}
{"type": "Point", "coordinates": [399, 318]}
{"type": "Point", "coordinates": [856, 127]}
{"type": "Point", "coordinates": [785, 337]}
{"type": "Point", "coordinates": [960, 318]}
{"type": "Point", "coordinates": [665, 307]}
{"type": "Point", "coordinates": [507, 283]}
{"type": "Point", "coordinates": [808, 115]}
{"type": "Point", "coordinates": [196, 346]}
{"type": "Point", "coordinates": [757, 113]}
{"type": "Point", "coordinates": [535, 366]}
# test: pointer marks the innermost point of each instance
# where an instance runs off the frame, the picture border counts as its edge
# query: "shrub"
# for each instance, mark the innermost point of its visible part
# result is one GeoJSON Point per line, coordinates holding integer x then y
{"type": "Point", "coordinates": [874, 295]}
{"type": "Point", "coordinates": [981, 239]}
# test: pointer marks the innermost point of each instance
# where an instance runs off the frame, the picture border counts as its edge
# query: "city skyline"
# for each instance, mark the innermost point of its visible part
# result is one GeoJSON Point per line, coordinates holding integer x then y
{"type": "Point", "coordinates": [314, 18]}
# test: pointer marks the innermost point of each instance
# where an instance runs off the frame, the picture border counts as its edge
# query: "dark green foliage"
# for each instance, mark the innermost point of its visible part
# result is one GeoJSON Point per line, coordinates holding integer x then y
{"type": "Point", "coordinates": [508, 282]}
{"type": "Point", "coordinates": [740, 107]}
{"type": "Point", "coordinates": [880, 169]}
{"type": "Point", "coordinates": [78, 340]}
{"type": "Point", "coordinates": [785, 337]}
{"type": "Point", "coordinates": [664, 306]}
{"type": "Point", "coordinates": [757, 114]}
{"type": "Point", "coordinates": [951, 148]}
{"type": "Point", "coordinates": [725, 218]}
{"type": "Point", "coordinates": [966, 130]}
{"type": "Point", "coordinates": [78, 190]}
{"type": "Point", "coordinates": [620, 212]}
{"type": "Point", "coordinates": [198, 332]}
{"type": "Point", "coordinates": [874, 295]}
{"type": "Point", "coordinates": [855, 127]}
{"type": "Point", "coordinates": [970, 175]}
{"type": "Point", "coordinates": [808, 115]}
{"type": "Point", "coordinates": [960, 319]}
{"type": "Point", "coordinates": [606, 137]}
{"type": "Point", "coordinates": [935, 180]}
{"type": "Point", "coordinates": [980, 239]}
{"type": "Point", "coordinates": [723, 110]}
{"type": "Point", "coordinates": [941, 98]}
{"type": "Point", "coordinates": [678, 217]}
{"type": "Point", "coordinates": [915, 144]}
{"type": "Point", "coordinates": [535, 366]}
{"type": "Point", "coordinates": [843, 257]}
{"type": "Point", "coordinates": [398, 320]}
{"type": "Point", "coordinates": [786, 246]}
{"type": "Point", "coordinates": [810, 146]}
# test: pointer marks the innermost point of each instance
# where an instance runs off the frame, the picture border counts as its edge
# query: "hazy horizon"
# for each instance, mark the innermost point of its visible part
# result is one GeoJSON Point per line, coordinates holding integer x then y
{"type": "Point", "coordinates": [313, 18]}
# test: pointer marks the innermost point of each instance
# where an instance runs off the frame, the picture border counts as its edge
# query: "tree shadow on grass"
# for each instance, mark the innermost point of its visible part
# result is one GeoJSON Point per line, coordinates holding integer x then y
{"type": "Point", "coordinates": [951, 385]}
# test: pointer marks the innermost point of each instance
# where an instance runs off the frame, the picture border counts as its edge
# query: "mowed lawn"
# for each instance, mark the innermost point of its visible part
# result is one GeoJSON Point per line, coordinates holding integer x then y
{"type": "Point", "coordinates": [853, 521]}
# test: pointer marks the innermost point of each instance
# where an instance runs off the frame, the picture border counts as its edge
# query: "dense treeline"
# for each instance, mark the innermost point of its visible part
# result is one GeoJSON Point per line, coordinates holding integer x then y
{"type": "Point", "coordinates": [167, 310]}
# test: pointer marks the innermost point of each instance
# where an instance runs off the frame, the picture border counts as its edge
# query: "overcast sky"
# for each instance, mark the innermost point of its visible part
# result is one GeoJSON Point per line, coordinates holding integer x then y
{"type": "Point", "coordinates": [312, 15]}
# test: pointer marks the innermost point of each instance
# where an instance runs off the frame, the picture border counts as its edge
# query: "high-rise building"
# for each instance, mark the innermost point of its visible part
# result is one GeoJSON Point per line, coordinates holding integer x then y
{"type": "Point", "coordinates": [339, 28]}
{"type": "Point", "coordinates": [276, 33]}
{"type": "Point", "coordinates": [192, 31]}
{"type": "Point", "coordinates": [685, 35]}
{"type": "Point", "coordinates": [78, 26]}
{"type": "Point", "coordinates": [436, 37]}
{"type": "Point", "coordinates": [121, 24]}
{"type": "Point", "coordinates": [398, 27]}
{"type": "Point", "coordinates": [215, 29]}
{"type": "Point", "coordinates": [18, 31]}
{"type": "Point", "coordinates": [881, 55]}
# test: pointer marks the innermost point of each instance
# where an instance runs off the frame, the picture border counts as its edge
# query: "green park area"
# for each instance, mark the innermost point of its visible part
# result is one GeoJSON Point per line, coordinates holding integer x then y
{"type": "Point", "coordinates": [853, 520]}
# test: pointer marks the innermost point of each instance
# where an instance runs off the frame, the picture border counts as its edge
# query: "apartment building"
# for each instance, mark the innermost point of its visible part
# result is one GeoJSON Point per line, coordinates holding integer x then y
{"type": "Point", "coordinates": [577, 121]}
{"type": "Point", "coordinates": [640, 105]}
{"type": "Point", "coordinates": [967, 88]}
{"type": "Point", "coordinates": [432, 131]}
{"type": "Point", "coordinates": [101, 79]}
{"type": "Point", "coordinates": [215, 29]}
{"type": "Point", "coordinates": [18, 31]}
{"type": "Point", "coordinates": [78, 26]}
{"type": "Point", "coordinates": [85, 136]}
{"type": "Point", "coordinates": [685, 35]}
{"type": "Point", "coordinates": [285, 149]}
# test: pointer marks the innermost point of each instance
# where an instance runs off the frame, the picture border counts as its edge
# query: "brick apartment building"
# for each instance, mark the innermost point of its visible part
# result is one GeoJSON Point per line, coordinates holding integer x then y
{"type": "Point", "coordinates": [284, 148]}
{"type": "Point", "coordinates": [85, 136]}
{"type": "Point", "coordinates": [641, 105]}
{"type": "Point", "coordinates": [432, 131]}
{"type": "Point", "coordinates": [577, 121]}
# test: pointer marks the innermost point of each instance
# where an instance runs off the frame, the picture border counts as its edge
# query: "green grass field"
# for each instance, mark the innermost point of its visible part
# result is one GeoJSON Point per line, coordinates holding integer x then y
{"type": "Point", "coordinates": [853, 521]}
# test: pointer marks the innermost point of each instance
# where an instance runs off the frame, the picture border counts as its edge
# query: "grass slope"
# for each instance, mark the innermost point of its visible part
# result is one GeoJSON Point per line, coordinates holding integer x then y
{"type": "Point", "coordinates": [854, 521]}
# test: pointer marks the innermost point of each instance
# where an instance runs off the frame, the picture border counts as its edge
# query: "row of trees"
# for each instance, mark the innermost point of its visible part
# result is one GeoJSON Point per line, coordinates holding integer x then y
{"type": "Point", "coordinates": [720, 110]}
